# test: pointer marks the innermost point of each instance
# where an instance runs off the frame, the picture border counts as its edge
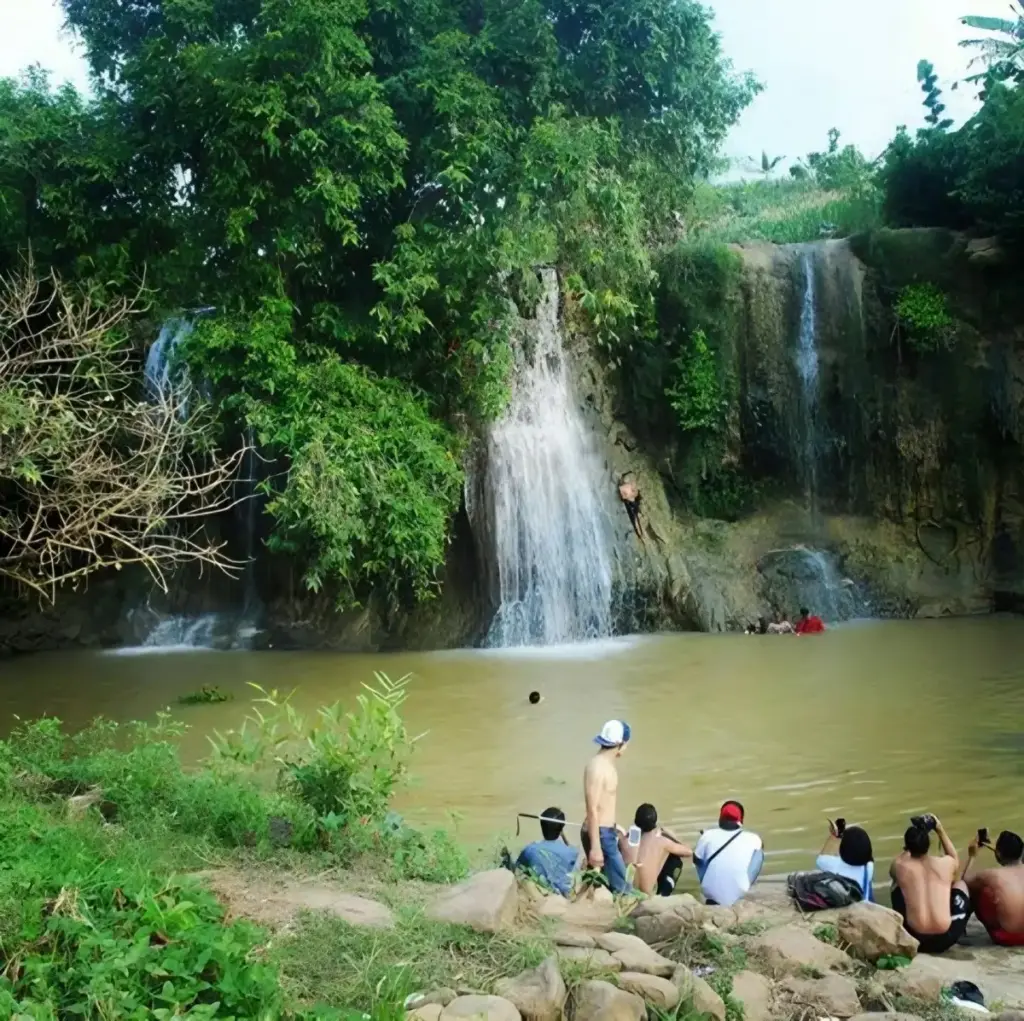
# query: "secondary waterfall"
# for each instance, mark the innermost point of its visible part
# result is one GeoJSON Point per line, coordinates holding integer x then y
{"type": "Point", "coordinates": [807, 367]}
{"type": "Point", "coordinates": [542, 498]}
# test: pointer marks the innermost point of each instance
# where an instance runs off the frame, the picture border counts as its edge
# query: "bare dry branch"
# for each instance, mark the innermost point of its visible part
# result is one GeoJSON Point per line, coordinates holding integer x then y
{"type": "Point", "coordinates": [91, 477]}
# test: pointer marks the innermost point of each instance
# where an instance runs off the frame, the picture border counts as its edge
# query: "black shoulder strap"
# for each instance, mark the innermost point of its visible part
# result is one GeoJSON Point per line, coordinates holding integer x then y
{"type": "Point", "coordinates": [707, 864]}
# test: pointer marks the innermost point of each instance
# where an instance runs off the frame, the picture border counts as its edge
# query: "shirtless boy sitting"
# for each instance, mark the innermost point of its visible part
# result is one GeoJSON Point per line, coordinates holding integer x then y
{"type": "Point", "coordinates": [998, 894]}
{"type": "Point", "coordinates": [659, 856]}
{"type": "Point", "coordinates": [600, 789]}
{"type": "Point", "coordinates": [934, 904]}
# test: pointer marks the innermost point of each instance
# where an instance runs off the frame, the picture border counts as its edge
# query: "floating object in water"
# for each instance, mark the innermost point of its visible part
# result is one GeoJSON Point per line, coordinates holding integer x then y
{"type": "Point", "coordinates": [534, 697]}
{"type": "Point", "coordinates": [206, 695]}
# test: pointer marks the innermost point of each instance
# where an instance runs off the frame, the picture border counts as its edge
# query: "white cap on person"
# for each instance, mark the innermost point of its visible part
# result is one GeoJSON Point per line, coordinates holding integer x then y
{"type": "Point", "coordinates": [613, 733]}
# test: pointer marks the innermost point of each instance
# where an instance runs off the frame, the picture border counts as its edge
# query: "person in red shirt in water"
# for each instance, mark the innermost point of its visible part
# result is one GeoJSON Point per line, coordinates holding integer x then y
{"type": "Point", "coordinates": [808, 625]}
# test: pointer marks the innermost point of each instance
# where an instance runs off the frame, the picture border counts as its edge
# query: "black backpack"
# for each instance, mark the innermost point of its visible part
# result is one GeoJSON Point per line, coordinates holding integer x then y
{"type": "Point", "coordinates": [818, 891]}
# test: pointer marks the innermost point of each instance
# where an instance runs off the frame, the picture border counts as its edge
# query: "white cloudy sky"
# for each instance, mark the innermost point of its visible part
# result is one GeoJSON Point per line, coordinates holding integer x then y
{"type": "Point", "coordinates": [824, 63]}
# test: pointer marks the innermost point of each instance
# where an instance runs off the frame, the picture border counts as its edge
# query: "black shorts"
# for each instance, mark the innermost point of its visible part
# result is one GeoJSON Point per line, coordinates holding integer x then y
{"type": "Point", "coordinates": [633, 510]}
{"type": "Point", "coordinates": [959, 909]}
{"type": "Point", "coordinates": [669, 875]}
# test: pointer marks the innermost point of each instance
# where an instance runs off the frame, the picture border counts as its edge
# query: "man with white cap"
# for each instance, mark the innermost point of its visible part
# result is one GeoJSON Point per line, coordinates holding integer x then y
{"type": "Point", "coordinates": [600, 789]}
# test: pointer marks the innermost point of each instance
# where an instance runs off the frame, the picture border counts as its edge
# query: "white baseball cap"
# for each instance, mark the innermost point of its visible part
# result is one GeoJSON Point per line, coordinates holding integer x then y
{"type": "Point", "coordinates": [613, 733]}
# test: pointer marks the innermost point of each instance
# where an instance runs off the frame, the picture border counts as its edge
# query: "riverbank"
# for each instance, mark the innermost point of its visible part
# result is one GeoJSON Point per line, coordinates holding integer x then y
{"type": "Point", "coordinates": [273, 882]}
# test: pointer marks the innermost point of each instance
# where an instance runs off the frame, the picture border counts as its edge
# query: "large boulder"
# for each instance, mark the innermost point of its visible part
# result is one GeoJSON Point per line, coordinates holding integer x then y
{"type": "Point", "coordinates": [790, 948]}
{"type": "Point", "coordinates": [655, 929]}
{"type": "Point", "coordinates": [833, 995]}
{"type": "Point", "coordinates": [994, 971]}
{"type": "Point", "coordinates": [874, 931]}
{"type": "Point", "coordinates": [568, 936]}
{"type": "Point", "coordinates": [657, 992]}
{"type": "Point", "coordinates": [359, 911]}
{"type": "Point", "coordinates": [601, 1001]}
{"type": "Point", "coordinates": [691, 987]}
{"type": "Point", "coordinates": [486, 902]}
{"type": "Point", "coordinates": [754, 992]}
{"type": "Point", "coordinates": [538, 994]}
{"type": "Point", "coordinates": [634, 954]}
{"type": "Point", "coordinates": [428, 1012]}
{"type": "Point", "coordinates": [480, 1008]}
{"type": "Point", "coordinates": [676, 904]}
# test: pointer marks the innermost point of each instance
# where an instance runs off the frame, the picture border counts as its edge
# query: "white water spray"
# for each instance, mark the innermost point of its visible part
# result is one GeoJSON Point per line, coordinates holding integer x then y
{"type": "Point", "coordinates": [543, 485]}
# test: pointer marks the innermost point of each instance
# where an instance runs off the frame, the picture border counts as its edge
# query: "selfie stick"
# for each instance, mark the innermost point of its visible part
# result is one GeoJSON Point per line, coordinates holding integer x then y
{"type": "Point", "coordinates": [544, 818]}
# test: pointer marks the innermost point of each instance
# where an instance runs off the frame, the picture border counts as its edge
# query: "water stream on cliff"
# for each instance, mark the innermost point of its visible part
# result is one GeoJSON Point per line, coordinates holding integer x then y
{"type": "Point", "coordinates": [871, 721]}
{"type": "Point", "coordinates": [544, 518]}
{"type": "Point", "coordinates": [807, 367]}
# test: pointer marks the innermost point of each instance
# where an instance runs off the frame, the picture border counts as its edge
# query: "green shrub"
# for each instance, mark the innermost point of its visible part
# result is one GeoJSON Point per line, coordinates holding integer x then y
{"type": "Point", "coordinates": [695, 391]}
{"type": "Point", "coordinates": [922, 312]}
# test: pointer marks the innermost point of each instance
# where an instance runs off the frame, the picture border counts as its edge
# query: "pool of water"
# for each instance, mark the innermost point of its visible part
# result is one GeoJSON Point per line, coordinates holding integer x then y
{"type": "Point", "coordinates": [873, 721]}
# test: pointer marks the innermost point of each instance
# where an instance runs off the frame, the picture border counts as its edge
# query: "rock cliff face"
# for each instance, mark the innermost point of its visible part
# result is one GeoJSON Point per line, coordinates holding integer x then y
{"type": "Point", "coordinates": [877, 476]}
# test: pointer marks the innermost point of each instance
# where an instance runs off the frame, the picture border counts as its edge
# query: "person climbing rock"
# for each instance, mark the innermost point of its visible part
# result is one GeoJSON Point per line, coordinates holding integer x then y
{"type": "Point", "coordinates": [630, 497]}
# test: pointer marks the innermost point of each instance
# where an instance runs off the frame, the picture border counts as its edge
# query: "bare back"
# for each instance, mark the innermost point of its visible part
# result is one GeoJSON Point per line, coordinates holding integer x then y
{"type": "Point", "coordinates": [926, 884]}
{"type": "Point", "coordinates": [600, 788]}
{"type": "Point", "coordinates": [1004, 889]}
{"type": "Point", "coordinates": [651, 856]}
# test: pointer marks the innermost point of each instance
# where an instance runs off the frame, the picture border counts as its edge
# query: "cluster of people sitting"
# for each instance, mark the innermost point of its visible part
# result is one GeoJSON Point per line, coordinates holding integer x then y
{"type": "Point", "coordinates": [806, 624]}
{"type": "Point", "coordinates": [930, 891]}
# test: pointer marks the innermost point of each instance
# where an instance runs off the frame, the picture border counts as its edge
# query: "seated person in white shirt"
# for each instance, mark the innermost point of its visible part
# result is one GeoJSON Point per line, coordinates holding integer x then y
{"type": "Point", "coordinates": [728, 858]}
{"type": "Point", "coordinates": [854, 859]}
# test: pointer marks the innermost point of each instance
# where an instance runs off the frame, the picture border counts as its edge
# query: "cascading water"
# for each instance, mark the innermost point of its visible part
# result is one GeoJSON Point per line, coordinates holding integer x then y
{"type": "Point", "coordinates": [807, 368]}
{"type": "Point", "coordinates": [542, 494]}
{"type": "Point", "coordinates": [207, 630]}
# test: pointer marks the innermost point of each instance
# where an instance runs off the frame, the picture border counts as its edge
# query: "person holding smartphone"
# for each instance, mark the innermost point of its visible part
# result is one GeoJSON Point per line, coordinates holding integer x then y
{"type": "Point", "coordinates": [657, 855]}
{"type": "Point", "coordinates": [998, 893]}
{"type": "Point", "coordinates": [847, 852]}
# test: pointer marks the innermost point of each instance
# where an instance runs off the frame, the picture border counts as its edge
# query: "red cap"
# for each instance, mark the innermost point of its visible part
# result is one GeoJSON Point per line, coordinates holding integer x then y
{"type": "Point", "coordinates": [731, 812]}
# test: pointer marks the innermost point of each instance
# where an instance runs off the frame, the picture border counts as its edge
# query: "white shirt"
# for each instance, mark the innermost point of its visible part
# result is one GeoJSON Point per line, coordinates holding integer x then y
{"type": "Point", "coordinates": [727, 878]}
{"type": "Point", "coordinates": [858, 873]}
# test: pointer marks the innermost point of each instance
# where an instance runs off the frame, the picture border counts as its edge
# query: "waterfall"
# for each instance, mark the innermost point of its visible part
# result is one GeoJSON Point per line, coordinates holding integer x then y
{"type": "Point", "coordinates": [160, 358]}
{"type": "Point", "coordinates": [807, 368]}
{"type": "Point", "coordinates": [542, 494]}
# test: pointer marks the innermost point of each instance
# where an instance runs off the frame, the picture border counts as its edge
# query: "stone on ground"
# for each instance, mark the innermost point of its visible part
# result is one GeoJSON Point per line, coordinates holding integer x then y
{"type": "Point", "coordinates": [666, 905]}
{"type": "Point", "coordinates": [601, 1001]}
{"type": "Point", "coordinates": [833, 995]}
{"type": "Point", "coordinates": [660, 928]}
{"type": "Point", "coordinates": [569, 936]}
{"type": "Point", "coordinates": [441, 997]}
{"type": "Point", "coordinates": [360, 911]}
{"type": "Point", "coordinates": [721, 917]}
{"type": "Point", "coordinates": [538, 994]}
{"type": "Point", "coordinates": [591, 958]}
{"type": "Point", "coordinates": [634, 954]}
{"type": "Point", "coordinates": [996, 971]}
{"type": "Point", "coordinates": [486, 902]}
{"type": "Point", "coordinates": [597, 915]}
{"type": "Point", "coordinates": [885, 1015]}
{"type": "Point", "coordinates": [428, 1012]}
{"type": "Point", "coordinates": [874, 931]}
{"type": "Point", "coordinates": [755, 993]}
{"type": "Point", "coordinates": [657, 992]}
{"type": "Point", "coordinates": [705, 999]}
{"type": "Point", "coordinates": [481, 1008]}
{"type": "Point", "coordinates": [788, 949]}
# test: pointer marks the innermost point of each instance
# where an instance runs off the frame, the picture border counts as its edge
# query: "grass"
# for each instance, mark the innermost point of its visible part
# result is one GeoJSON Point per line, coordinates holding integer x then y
{"type": "Point", "coordinates": [696, 948]}
{"type": "Point", "coordinates": [782, 212]}
{"type": "Point", "coordinates": [827, 934]}
{"type": "Point", "coordinates": [327, 960]}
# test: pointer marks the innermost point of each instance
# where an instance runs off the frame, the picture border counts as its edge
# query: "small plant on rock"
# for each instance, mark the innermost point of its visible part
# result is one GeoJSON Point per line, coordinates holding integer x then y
{"type": "Point", "coordinates": [922, 315]}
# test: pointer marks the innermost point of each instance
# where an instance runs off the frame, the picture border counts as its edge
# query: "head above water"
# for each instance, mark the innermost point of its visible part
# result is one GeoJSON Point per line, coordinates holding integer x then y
{"type": "Point", "coordinates": [730, 815]}
{"type": "Point", "coordinates": [552, 830]}
{"type": "Point", "coordinates": [615, 734]}
{"type": "Point", "coordinates": [646, 818]}
{"type": "Point", "coordinates": [917, 841]}
{"type": "Point", "coordinates": [1009, 848]}
{"type": "Point", "coordinates": [804, 613]}
{"type": "Point", "coordinates": [855, 846]}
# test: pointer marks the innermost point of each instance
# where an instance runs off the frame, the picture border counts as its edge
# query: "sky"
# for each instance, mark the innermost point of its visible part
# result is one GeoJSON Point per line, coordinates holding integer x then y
{"type": "Point", "coordinates": [823, 63]}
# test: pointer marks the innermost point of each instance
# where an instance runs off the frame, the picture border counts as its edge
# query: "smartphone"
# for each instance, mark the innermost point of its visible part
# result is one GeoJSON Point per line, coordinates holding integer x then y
{"type": "Point", "coordinates": [983, 836]}
{"type": "Point", "coordinates": [840, 827]}
{"type": "Point", "coordinates": [633, 837]}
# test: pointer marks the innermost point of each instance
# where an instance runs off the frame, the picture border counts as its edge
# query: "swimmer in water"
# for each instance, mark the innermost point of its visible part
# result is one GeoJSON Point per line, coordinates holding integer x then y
{"type": "Point", "coordinates": [535, 698]}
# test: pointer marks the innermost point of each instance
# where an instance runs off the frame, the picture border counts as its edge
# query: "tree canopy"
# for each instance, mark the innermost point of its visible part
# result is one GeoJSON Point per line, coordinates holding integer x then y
{"type": "Point", "coordinates": [349, 183]}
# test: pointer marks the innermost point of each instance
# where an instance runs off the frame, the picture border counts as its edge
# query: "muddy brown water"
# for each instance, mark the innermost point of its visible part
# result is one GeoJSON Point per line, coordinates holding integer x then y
{"type": "Point", "coordinates": [874, 722]}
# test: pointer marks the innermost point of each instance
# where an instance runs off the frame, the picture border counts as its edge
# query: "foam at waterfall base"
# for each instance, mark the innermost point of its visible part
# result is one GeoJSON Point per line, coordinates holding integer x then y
{"type": "Point", "coordinates": [596, 648]}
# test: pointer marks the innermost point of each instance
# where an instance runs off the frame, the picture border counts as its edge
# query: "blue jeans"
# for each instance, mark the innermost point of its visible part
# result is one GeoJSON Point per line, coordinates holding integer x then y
{"type": "Point", "coordinates": [614, 866]}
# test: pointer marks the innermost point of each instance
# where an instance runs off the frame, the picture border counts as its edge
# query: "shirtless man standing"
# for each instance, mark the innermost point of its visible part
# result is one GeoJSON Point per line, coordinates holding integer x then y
{"type": "Point", "coordinates": [600, 788]}
{"type": "Point", "coordinates": [935, 906]}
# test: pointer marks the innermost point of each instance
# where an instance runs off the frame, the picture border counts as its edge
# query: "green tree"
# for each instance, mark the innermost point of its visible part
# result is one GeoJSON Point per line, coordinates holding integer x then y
{"type": "Point", "coordinates": [1002, 51]}
{"type": "Point", "coordinates": [929, 82]}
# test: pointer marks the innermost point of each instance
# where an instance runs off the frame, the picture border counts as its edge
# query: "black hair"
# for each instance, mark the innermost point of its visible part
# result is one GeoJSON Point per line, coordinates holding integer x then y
{"type": "Point", "coordinates": [917, 841]}
{"type": "Point", "coordinates": [552, 830]}
{"type": "Point", "coordinates": [646, 817]}
{"type": "Point", "coordinates": [1009, 848]}
{"type": "Point", "coordinates": [762, 625]}
{"type": "Point", "coordinates": [804, 612]}
{"type": "Point", "coordinates": [855, 846]}
{"type": "Point", "coordinates": [534, 697]}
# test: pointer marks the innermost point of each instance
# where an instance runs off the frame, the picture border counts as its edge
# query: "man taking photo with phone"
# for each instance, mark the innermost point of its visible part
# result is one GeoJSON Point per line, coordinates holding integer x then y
{"type": "Point", "coordinates": [998, 894]}
{"type": "Point", "coordinates": [933, 902]}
